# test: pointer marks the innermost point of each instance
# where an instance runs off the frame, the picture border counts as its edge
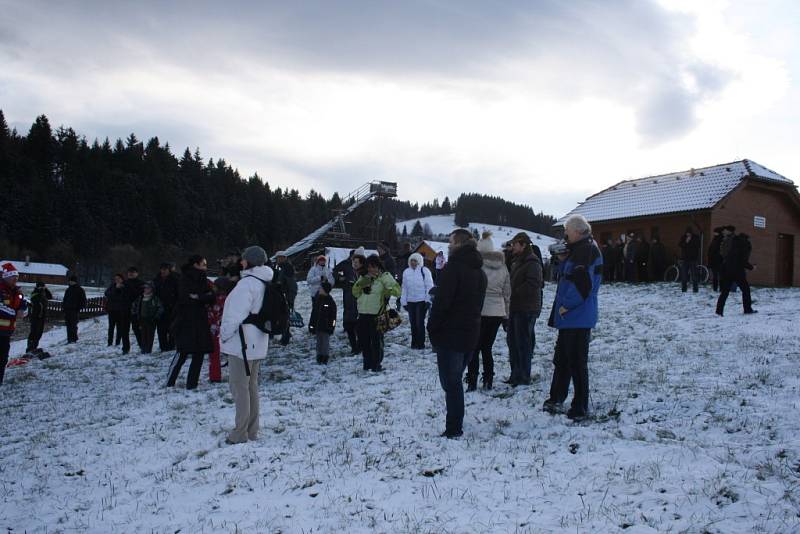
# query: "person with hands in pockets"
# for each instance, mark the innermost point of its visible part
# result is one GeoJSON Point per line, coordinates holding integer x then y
{"type": "Point", "coordinates": [574, 314]}
{"type": "Point", "coordinates": [415, 297]}
{"type": "Point", "coordinates": [245, 344]}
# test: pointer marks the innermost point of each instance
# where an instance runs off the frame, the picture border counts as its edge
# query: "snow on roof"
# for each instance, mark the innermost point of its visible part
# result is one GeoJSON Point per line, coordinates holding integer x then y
{"type": "Point", "coordinates": [444, 224]}
{"type": "Point", "coordinates": [695, 189]}
{"type": "Point", "coordinates": [32, 268]}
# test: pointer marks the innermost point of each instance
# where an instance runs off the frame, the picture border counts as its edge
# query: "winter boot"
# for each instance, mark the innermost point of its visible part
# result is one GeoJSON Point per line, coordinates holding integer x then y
{"type": "Point", "coordinates": [487, 382]}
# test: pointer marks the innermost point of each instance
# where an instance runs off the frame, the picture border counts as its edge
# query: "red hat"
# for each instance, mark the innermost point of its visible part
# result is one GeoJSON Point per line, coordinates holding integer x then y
{"type": "Point", "coordinates": [9, 270]}
{"type": "Point", "coordinates": [321, 257]}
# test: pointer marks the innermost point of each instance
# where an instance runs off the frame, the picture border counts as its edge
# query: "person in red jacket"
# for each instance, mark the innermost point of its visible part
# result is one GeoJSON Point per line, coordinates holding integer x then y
{"type": "Point", "coordinates": [222, 286]}
{"type": "Point", "coordinates": [12, 307]}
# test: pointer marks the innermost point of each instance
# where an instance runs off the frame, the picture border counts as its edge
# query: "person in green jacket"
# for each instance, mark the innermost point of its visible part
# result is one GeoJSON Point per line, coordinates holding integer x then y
{"type": "Point", "coordinates": [372, 292]}
{"type": "Point", "coordinates": [148, 309]}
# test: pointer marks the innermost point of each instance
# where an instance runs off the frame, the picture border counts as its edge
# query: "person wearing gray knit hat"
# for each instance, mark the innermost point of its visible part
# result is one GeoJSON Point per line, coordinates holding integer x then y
{"type": "Point", "coordinates": [254, 256]}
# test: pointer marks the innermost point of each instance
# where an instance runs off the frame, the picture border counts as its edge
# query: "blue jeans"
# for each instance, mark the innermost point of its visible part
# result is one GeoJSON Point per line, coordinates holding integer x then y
{"type": "Point", "coordinates": [416, 318]}
{"type": "Point", "coordinates": [451, 371]}
{"type": "Point", "coordinates": [521, 341]}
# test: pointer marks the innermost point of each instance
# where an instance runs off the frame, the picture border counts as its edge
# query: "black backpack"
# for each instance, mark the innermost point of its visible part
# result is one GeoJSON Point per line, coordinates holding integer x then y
{"type": "Point", "coordinates": [273, 317]}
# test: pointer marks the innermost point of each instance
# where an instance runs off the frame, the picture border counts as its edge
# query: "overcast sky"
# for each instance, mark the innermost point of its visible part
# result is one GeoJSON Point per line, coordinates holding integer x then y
{"type": "Point", "coordinates": [542, 102]}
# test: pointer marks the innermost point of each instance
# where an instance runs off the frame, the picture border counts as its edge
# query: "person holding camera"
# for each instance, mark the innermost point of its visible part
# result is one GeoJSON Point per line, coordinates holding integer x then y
{"type": "Point", "coordinates": [318, 273]}
{"type": "Point", "coordinates": [574, 314]}
{"type": "Point", "coordinates": [372, 292]}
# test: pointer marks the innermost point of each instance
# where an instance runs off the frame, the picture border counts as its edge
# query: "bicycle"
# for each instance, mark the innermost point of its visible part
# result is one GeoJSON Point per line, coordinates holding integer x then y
{"type": "Point", "coordinates": [673, 273]}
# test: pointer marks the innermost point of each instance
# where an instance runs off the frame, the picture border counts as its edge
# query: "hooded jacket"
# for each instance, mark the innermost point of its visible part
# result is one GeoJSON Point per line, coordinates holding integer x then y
{"type": "Point", "coordinates": [380, 289]}
{"type": "Point", "coordinates": [498, 285]}
{"type": "Point", "coordinates": [455, 320]}
{"type": "Point", "coordinates": [526, 284]}
{"type": "Point", "coordinates": [246, 298]}
{"type": "Point", "coordinates": [314, 279]}
{"type": "Point", "coordinates": [417, 283]}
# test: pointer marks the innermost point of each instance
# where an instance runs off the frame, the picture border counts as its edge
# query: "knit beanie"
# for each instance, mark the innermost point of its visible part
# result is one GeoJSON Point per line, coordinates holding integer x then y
{"type": "Point", "coordinates": [486, 244]}
{"type": "Point", "coordinates": [254, 256]}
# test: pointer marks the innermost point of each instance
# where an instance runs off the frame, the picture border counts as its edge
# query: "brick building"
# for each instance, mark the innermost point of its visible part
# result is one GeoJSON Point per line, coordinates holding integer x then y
{"type": "Point", "coordinates": [756, 200]}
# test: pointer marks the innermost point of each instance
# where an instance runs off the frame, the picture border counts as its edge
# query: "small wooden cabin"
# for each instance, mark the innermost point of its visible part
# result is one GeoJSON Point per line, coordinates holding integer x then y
{"type": "Point", "coordinates": [756, 200]}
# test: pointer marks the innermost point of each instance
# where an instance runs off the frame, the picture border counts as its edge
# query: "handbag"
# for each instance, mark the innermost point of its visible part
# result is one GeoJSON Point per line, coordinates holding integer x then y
{"type": "Point", "coordinates": [296, 320]}
{"type": "Point", "coordinates": [388, 319]}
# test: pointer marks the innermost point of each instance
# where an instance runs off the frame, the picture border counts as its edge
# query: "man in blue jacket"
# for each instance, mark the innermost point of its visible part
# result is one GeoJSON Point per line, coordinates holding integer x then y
{"type": "Point", "coordinates": [574, 314]}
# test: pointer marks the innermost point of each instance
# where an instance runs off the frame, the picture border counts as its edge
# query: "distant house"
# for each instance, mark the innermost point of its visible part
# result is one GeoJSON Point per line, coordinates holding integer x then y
{"type": "Point", "coordinates": [429, 250]}
{"type": "Point", "coordinates": [756, 200]}
{"type": "Point", "coordinates": [49, 273]}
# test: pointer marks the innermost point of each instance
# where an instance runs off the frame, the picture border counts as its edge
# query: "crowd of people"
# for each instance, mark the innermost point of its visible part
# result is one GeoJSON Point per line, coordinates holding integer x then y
{"type": "Point", "coordinates": [459, 303]}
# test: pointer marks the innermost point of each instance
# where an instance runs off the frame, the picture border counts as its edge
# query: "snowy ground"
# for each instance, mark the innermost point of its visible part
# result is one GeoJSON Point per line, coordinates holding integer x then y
{"type": "Point", "coordinates": [695, 430]}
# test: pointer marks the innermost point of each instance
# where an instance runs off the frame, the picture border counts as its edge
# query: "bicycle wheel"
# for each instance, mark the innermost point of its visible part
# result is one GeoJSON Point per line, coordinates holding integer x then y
{"type": "Point", "coordinates": [671, 274]}
{"type": "Point", "coordinates": [702, 274]}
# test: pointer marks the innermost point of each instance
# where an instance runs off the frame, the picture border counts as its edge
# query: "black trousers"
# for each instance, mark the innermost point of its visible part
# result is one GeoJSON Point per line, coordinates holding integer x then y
{"type": "Point", "coordinates": [37, 329]}
{"type": "Point", "coordinates": [371, 342]}
{"type": "Point", "coordinates": [124, 331]}
{"type": "Point", "coordinates": [489, 327]}
{"type": "Point", "coordinates": [571, 360]}
{"type": "Point", "coordinates": [351, 327]}
{"type": "Point", "coordinates": [715, 279]}
{"type": "Point", "coordinates": [688, 270]}
{"type": "Point", "coordinates": [726, 282]}
{"type": "Point", "coordinates": [71, 318]}
{"type": "Point", "coordinates": [5, 346]}
{"type": "Point", "coordinates": [165, 341]}
{"type": "Point", "coordinates": [194, 369]}
{"type": "Point", "coordinates": [137, 331]}
{"type": "Point", "coordinates": [416, 318]}
{"type": "Point", "coordinates": [114, 326]}
{"type": "Point", "coordinates": [148, 333]}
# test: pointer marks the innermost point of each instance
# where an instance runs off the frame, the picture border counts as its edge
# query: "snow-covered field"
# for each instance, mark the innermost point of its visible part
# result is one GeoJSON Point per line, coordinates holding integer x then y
{"type": "Point", "coordinates": [695, 431]}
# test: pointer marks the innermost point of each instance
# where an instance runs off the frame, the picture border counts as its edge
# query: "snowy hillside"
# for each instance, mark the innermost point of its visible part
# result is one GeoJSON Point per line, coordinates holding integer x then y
{"type": "Point", "coordinates": [695, 430]}
{"type": "Point", "coordinates": [442, 225]}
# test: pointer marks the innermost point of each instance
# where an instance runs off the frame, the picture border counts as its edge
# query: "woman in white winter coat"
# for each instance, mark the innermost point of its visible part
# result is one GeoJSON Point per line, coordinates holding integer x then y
{"type": "Point", "coordinates": [239, 340]}
{"type": "Point", "coordinates": [494, 312]}
{"type": "Point", "coordinates": [415, 298]}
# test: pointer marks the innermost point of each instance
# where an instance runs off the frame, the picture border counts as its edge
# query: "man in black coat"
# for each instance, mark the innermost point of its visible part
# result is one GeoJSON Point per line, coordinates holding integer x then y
{"type": "Point", "coordinates": [37, 314]}
{"type": "Point", "coordinates": [524, 309]}
{"type": "Point", "coordinates": [285, 275]}
{"type": "Point", "coordinates": [690, 256]}
{"type": "Point", "coordinates": [715, 257]}
{"type": "Point", "coordinates": [657, 261]}
{"type": "Point", "coordinates": [192, 333]}
{"type": "Point", "coordinates": [166, 289]}
{"type": "Point", "coordinates": [455, 321]}
{"type": "Point", "coordinates": [346, 276]}
{"type": "Point", "coordinates": [134, 287]}
{"type": "Point", "coordinates": [74, 301]}
{"type": "Point", "coordinates": [119, 309]}
{"type": "Point", "coordinates": [735, 263]}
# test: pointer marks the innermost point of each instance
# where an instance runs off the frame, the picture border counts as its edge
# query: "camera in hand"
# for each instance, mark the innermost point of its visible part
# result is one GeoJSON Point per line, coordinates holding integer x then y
{"type": "Point", "coordinates": [557, 248]}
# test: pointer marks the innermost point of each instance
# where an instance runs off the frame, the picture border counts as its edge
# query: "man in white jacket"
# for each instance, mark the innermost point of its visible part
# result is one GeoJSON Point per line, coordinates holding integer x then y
{"type": "Point", "coordinates": [415, 298]}
{"type": "Point", "coordinates": [245, 299]}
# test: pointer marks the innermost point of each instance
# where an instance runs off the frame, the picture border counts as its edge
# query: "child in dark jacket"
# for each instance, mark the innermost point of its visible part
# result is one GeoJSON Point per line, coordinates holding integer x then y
{"type": "Point", "coordinates": [323, 321]}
